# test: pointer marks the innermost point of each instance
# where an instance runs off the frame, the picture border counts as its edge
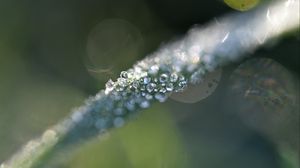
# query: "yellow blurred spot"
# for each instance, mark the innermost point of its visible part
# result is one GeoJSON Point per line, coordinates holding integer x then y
{"type": "Point", "coordinates": [242, 5]}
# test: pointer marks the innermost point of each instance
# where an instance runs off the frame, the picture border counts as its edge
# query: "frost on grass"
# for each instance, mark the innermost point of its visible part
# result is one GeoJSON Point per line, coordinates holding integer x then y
{"type": "Point", "coordinates": [180, 63]}
{"type": "Point", "coordinates": [172, 68]}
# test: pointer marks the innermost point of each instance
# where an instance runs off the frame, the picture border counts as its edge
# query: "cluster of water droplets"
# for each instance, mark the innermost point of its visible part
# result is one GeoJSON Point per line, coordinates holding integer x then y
{"type": "Point", "coordinates": [151, 80]}
{"type": "Point", "coordinates": [154, 79]}
{"type": "Point", "coordinates": [136, 89]}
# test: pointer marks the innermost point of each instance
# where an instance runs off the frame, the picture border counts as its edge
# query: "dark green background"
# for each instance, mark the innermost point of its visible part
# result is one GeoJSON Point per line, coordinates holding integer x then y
{"type": "Point", "coordinates": [45, 71]}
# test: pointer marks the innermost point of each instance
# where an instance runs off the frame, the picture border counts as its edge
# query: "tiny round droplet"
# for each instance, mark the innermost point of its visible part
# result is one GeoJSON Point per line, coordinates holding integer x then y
{"type": "Point", "coordinates": [170, 87]}
{"type": "Point", "coordinates": [144, 104]}
{"type": "Point", "coordinates": [153, 70]}
{"type": "Point", "coordinates": [122, 82]}
{"type": "Point", "coordinates": [148, 96]}
{"type": "Point", "coordinates": [135, 84]}
{"type": "Point", "coordinates": [162, 90]}
{"type": "Point", "coordinates": [101, 123]}
{"type": "Point", "coordinates": [109, 86]}
{"type": "Point", "coordinates": [173, 77]}
{"type": "Point", "coordinates": [161, 97]}
{"type": "Point", "coordinates": [124, 74]}
{"type": "Point", "coordinates": [130, 105]}
{"type": "Point", "coordinates": [181, 86]}
{"type": "Point", "coordinates": [118, 111]}
{"type": "Point", "coordinates": [118, 122]}
{"type": "Point", "coordinates": [150, 87]}
{"type": "Point", "coordinates": [163, 78]}
{"type": "Point", "coordinates": [146, 80]}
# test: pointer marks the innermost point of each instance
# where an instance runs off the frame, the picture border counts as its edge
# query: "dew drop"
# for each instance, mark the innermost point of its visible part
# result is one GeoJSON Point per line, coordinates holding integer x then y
{"type": "Point", "coordinates": [173, 77]}
{"type": "Point", "coordinates": [153, 70]}
{"type": "Point", "coordinates": [148, 96]}
{"type": "Point", "coordinates": [169, 87]}
{"type": "Point", "coordinates": [118, 122]}
{"type": "Point", "coordinates": [101, 123]}
{"type": "Point", "coordinates": [109, 86]}
{"type": "Point", "coordinates": [130, 105]}
{"type": "Point", "coordinates": [160, 97]}
{"type": "Point", "coordinates": [122, 82]}
{"type": "Point", "coordinates": [181, 86]}
{"type": "Point", "coordinates": [144, 104]}
{"type": "Point", "coordinates": [162, 90]}
{"type": "Point", "coordinates": [143, 88]}
{"type": "Point", "coordinates": [146, 80]}
{"type": "Point", "coordinates": [124, 74]}
{"type": "Point", "coordinates": [119, 111]}
{"type": "Point", "coordinates": [151, 87]}
{"type": "Point", "coordinates": [135, 84]}
{"type": "Point", "coordinates": [163, 78]}
{"type": "Point", "coordinates": [77, 116]}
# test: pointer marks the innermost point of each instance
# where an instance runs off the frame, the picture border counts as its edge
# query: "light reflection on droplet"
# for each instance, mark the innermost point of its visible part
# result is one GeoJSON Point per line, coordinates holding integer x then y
{"type": "Point", "coordinates": [197, 92]}
{"type": "Point", "coordinates": [112, 45]}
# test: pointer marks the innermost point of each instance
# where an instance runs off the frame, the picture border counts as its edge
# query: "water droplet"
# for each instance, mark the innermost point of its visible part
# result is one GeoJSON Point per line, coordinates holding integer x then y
{"type": "Point", "coordinates": [118, 122]}
{"type": "Point", "coordinates": [170, 87]}
{"type": "Point", "coordinates": [77, 116]}
{"type": "Point", "coordinates": [181, 86]}
{"type": "Point", "coordinates": [109, 86]}
{"type": "Point", "coordinates": [122, 82]}
{"type": "Point", "coordinates": [143, 88]}
{"type": "Point", "coordinates": [130, 74]}
{"type": "Point", "coordinates": [146, 80]}
{"type": "Point", "coordinates": [148, 96]}
{"type": "Point", "coordinates": [150, 87]}
{"type": "Point", "coordinates": [153, 70]}
{"type": "Point", "coordinates": [119, 111]}
{"type": "Point", "coordinates": [173, 77]}
{"type": "Point", "coordinates": [144, 104]}
{"type": "Point", "coordinates": [160, 97]}
{"type": "Point", "coordinates": [162, 90]}
{"type": "Point", "coordinates": [101, 123]}
{"type": "Point", "coordinates": [124, 74]}
{"type": "Point", "coordinates": [135, 84]}
{"type": "Point", "coordinates": [130, 105]}
{"type": "Point", "coordinates": [181, 78]}
{"type": "Point", "coordinates": [163, 78]}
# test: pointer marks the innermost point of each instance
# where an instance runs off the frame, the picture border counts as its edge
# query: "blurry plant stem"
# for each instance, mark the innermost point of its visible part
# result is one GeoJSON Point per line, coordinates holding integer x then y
{"type": "Point", "coordinates": [222, 41]}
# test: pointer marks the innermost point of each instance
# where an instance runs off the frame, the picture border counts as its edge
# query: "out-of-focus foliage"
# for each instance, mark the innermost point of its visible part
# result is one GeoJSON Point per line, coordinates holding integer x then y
{"type": "Point", "coordinates": [150, 141]}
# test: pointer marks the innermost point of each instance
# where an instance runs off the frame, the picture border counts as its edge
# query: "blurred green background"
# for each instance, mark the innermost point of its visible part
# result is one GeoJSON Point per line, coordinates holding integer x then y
{"type": "Point", "coordinates": [54, 54]}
